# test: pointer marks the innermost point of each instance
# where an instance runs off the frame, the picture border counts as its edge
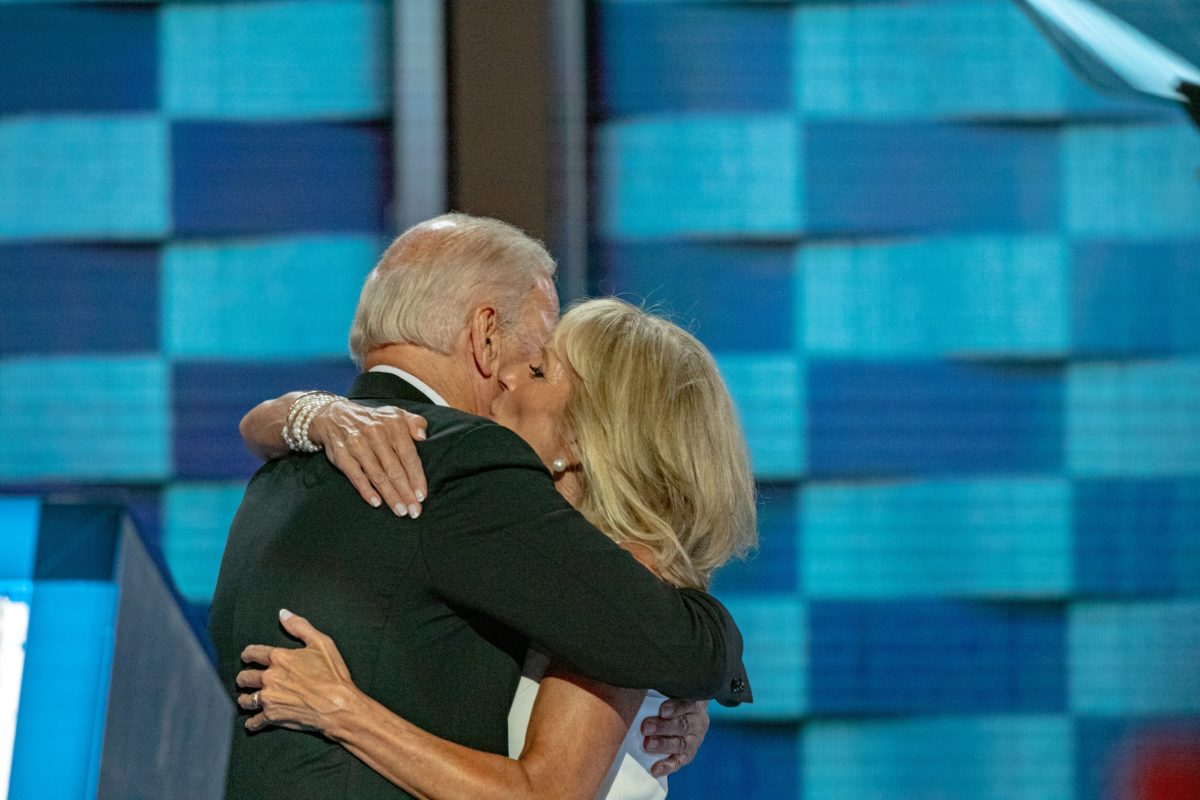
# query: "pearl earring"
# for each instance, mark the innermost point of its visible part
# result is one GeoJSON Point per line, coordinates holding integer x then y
{"type": "Point", "coordinates": [559, 465]}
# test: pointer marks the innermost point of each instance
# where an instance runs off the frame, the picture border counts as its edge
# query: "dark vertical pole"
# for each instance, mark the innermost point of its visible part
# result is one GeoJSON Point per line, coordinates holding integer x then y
{"type": "Point", "coordinates": [517, 137]}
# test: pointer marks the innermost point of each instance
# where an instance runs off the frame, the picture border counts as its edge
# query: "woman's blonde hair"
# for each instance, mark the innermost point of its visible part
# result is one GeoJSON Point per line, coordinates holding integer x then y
{"type": "Point", "coordinates": [664, 461]}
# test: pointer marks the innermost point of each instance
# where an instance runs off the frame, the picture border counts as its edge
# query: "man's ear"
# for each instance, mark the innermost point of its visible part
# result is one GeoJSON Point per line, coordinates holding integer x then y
{"type": "Point", "coordinates": [483, 331]}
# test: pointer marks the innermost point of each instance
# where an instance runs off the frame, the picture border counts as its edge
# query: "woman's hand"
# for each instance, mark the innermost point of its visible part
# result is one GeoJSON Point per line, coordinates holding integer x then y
{"type": "Point", "coordinates": [374, 448]}
{"type": "Point", "coordinates": [306, 688]}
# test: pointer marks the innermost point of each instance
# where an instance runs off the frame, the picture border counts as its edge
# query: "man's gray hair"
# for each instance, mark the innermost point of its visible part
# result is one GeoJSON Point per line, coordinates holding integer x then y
{"type": "Point", "coordinates": [436, 273]}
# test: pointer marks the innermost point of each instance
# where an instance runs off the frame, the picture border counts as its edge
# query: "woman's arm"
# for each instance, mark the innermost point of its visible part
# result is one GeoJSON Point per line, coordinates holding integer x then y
{"type": "Point", "coordinates": [574, 732]}
{"type": "Point", "coordinates": [372, 446]}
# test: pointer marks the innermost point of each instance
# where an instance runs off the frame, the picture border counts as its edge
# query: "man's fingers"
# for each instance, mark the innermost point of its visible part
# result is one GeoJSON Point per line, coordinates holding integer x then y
{"type": "Point", "coordinates": [258, 654]}
{"type": "Point", "coordinates": [674, 745]}
{"type": "Point", "coordinates": [250, 679]}
{"type": "Point", "coordinates": [674, 708]}
{"type": "Point", "coordinates": [668, 765]}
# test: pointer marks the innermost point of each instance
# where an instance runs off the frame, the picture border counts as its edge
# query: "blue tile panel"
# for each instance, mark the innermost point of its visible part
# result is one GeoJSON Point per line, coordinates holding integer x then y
{"type": "Point", "coordinates": [198, 519]}
{"type": "Point", "coordinates": [982, 758]}
{"type": "Point", "coordinates": [774, 627]}
{"type": "Point", "coordinates": [1135, 298]}
{"type": "Point", "coordinates": [768, 392]}
{"type": "Point", "coordinates": [75, 177]}
{"type": "Point", "coordinates": [210, 398]}
{"type": "Point", "coordinates": [685, 58]}
{"type": "Point", "coordinates": [284, 60]}
{"type": "Point", "coordinates": [693, 282]}
{"type": "Point", "coordinates": [909, 177]}
{"type": "Point", "coordinates": [268, 299]}
{"type": "Point", "coordinates": [57, 57]}
{"type": "Point", "coordinates": [85, 418]}
{"type": "Point", "coordinates": [1135, 658]}
{"type": "Point", "coordinates": [754, 761]}
{"type": "Point", "coordinates": [999, 296]}
{"type": "Point", "coordinates": [701, 175]}
{"type": "Point", "coordinates": [774, 566]}
{"type": "Point", "coordinates": [1136, 419]}
{"type": "Point", "coordinates": [1137, 537]}
{"type": "Point", "coordinates": [267, 177]}
{"type": "Point", "coordinates": [1149, 190]}
{"type": "Point", "coordinates": [927, 657]}
{"type": "Point", "coordinates": [18, 537]}
{"type": "Point", "coordinates": [932, 418]}
{"type": "Point", "coordinates": [987, 538]}
{"type": "Point", "coordinates": [78, 298]}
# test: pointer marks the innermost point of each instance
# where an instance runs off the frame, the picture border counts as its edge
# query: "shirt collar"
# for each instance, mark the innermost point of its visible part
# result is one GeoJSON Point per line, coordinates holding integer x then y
{"type": "Point", "coordinates": [416, 382]}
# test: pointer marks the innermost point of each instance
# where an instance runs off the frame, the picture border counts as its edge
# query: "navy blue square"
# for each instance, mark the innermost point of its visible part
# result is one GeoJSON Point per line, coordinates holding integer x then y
{"type": "Point", "coordinates": [1132, 298]}
{"type": "Point", "coordinates": [931, 657]}
{"type": "Point", "coordinates": [78, 58]}
{"type": "Point", "coordinates": [687, 58]}
{"type": "Point", "coordinates": [773, 567]}
{"type": "Point", "coordinates": [933, 418]}
{"type": "Point", "coordinates": [1137, 537]}
{"type": "Point", "coordinates": [211, 399]}
{"type": "Point", "coordinates": [78, 298]}
{"type": "Point", "coordinates": [695, 281]}
{"type": "Point", "coordinates": [743, 761]}
{"type": "Point", "coordinates": [924, 177]}
{"type": "Point", "coordinates": [244, 178]}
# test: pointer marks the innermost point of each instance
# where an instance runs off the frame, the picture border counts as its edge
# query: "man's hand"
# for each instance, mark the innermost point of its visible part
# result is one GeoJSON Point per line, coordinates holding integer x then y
{"type": "Point", "coordinates": [374, 448]}
{"type": "Point", "coordinates": [677, 732]}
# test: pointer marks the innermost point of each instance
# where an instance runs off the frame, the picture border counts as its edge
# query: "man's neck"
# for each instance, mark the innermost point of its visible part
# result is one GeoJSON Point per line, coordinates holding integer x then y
{"type": "Point", "coordinates": [440, 372]}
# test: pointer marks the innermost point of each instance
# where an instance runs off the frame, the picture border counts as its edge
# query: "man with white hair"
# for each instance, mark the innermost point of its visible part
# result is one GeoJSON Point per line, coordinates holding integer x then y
{"type": "Point", "coordinates": [434, 615]}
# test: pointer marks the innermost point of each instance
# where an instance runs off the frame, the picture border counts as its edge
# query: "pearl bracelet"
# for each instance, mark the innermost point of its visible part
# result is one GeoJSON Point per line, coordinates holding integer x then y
{"type": "Point", "coordinates": [300, 416]}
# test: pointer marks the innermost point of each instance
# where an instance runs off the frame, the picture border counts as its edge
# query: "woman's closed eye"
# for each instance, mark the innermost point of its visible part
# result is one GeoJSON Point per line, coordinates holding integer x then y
{"type": "Point", "coordinates": [536, 372]}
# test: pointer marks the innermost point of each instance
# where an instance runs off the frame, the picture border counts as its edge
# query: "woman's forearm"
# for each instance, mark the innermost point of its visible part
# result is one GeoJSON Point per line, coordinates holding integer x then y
{"type": "Point", "coordinates": [262, 427]}
{"type": "Point", "coordinates": [435, 769]}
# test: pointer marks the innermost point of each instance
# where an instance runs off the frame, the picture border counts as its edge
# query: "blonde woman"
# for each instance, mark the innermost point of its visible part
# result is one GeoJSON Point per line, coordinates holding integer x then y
{"type": "Point", "coordinates": [629, 413]}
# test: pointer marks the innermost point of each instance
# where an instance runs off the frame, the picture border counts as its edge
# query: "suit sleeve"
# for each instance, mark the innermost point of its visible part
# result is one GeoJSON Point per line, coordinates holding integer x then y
{"type": "Point", "coordinates": [514, 550]}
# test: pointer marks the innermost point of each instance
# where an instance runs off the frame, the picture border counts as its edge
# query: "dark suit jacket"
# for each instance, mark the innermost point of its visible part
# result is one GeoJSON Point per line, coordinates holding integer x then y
{"type": "Point", "coordinates": [434, 615]}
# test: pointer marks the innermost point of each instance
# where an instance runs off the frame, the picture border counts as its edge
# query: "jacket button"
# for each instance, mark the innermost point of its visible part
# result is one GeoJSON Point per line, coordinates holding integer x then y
{"type": "Point", "coordinates": [737, 685]}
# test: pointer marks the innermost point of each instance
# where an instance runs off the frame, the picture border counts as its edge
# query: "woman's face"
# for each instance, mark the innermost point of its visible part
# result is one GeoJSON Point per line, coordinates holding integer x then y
{"type": "Point", "coordinates": [533, 396]}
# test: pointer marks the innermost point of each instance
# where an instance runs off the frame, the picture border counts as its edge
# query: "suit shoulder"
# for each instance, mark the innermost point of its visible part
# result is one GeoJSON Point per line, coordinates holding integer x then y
{"type": "Point", "coordinates": [467, 443]}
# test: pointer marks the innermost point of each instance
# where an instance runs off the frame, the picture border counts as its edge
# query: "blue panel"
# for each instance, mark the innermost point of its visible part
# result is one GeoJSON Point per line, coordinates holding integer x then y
{"type": "Point", "coordinates": [707, 176]}
{"type": "Point", "coordinates": [77, 58]}
{"type": "Point", "coordinates": [68, 659]}
{"type": "Point", "coordinates": [933, 418]}
{"type": "Point", "coordinates": [1135, 658]}
{"type": "Point", "coordinates": [695, 281]}
{"type": "Point", "coordinates": [681, 58]}
{"type": "Point", "coordinates": [926, 177]}
{"type": "Point", "coordinates": [260, 178]}
{"type": "Point", "coordinates": [769, 393]}
{"type": "Point", "coordinates": [773, 566]}
{"type": "Point", "coordinates": [776, 655]}
{"type": "Point", "coordinates": [328, 58]}
{"type": "Point", "coordinates": [917, 60]}
{"type": "Point", "coordinates": [82, 299]}
{"type": "Point", "coordinates": [211, 398]}
{"type": "Point", "coordinates": [744, 761]}
{"type": "Point", "coordinates": [972, 295]}
{"type": "Point", "coordinates": [1135, 182]}
{"type": "Point", "coordinates": [18, 536]}
{"type": "Point", "coordinates": [198, 520]}
{"type": "Point", "coordinates": [86, 418]}
{"type": "Point", "coordinates": [271, 299]}
{"type": "Point", "coordinates": [108, 178]}
{"type": "Point", "coordinates": [1137, 537]}
{"type": "Point", "coordinates": [986, 758]}
{"type": "Point", "coordinates": [1135, 419]}
{"type": "Point", "coordinates": [1132, 758]}
{"type": "Point", "coordinates": [78, 542]}
{"type": "Point", "coordinates": [985, 538]}
{"type": "Point", "coordinates": [1129, 298]}
{"type": "Point", "coordinates": [928, 657]}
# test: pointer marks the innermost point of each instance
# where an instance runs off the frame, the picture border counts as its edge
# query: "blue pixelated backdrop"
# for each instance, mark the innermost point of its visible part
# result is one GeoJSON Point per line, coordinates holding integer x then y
{"type": "Point", "coordinates": [953, 289]}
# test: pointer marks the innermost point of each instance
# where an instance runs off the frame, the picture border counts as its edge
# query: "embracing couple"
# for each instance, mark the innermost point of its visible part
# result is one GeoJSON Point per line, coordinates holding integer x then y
{"type": "Point", "coordinates": [495, 575]}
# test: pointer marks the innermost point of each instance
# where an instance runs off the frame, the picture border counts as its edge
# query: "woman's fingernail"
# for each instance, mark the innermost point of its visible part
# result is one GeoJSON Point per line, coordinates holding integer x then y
{"type": "Point", "coordinates": [285, 615]}
{"type": "Point", "coordinates": [414, 511]}
{"type": "Point", "coordinates": [375, 502]}
{"type": "Point", "coordinates": [420, 436]}
{"type": "Point", "coordinates": [420, 495]}
{"type": "Point", "coordinates": [400, 510]}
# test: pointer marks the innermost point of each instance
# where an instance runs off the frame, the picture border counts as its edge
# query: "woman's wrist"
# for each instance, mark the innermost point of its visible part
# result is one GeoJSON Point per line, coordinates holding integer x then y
{"type": "Point", "coordinates": [351, 709]}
